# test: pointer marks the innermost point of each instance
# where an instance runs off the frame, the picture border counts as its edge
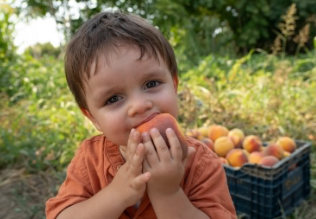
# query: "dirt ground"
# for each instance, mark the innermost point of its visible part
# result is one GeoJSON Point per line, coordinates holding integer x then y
{"type": "Point", "coordinates": [23, 196]}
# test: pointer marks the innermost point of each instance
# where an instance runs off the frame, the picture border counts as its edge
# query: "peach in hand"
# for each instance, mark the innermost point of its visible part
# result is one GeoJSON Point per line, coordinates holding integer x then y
{"type": "Point", "coordinates": [162, 122]}
{"type": "Point", "coordinates": [287, 143]}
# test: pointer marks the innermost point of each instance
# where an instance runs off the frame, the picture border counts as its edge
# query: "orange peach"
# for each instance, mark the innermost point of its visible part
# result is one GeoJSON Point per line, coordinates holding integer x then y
{"type": "Point", "coordinates": [208, 142]}
{"type": "Point", "coordinates": [216, 131]}
{"type": "Point", "coordinates": [236, 157]}
{"type": "Point", "coordinates": [287, 143]}
{"type": "Point", "coordinates": [194, 133]}
{"type": "Point", "coordinates": [237, 136]}
{"type": "Point", "coordinates": [286, 154]}
{"type": "Point", "coordinates": [255, 157]}
{"type": "Point", "coordinates": [246, 152]}
{"type": "Point", "coordinates": [268, 161]}
{"type": "Point", "coordinates": [222, 145]}
{"type": "Point", "coordinates": [162, 122]}
{"type": "Point", "coordinates": [252, 143]}
{"type": "Point", "coordinates": [223, 160]}
{"type": "Point", "coordinates": [274, 150]}
{"type": "Point", "coordinates": [204, 131]}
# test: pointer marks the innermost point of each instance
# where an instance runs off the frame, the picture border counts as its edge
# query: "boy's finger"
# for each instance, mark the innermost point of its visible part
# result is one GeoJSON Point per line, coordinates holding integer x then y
{"type": "Point", "coordinates": [151, 155]}
{"type": "Point", "coordinates": [175, 146]}
{"type": "Point", "coordinates": [131, 148]}
{"type": "Point", "coordinates": [161, 146]}
{"type": "Point", "coordinates": [146, 166]}
{"type": "Point", "coordinates": [137, 161]}
{"type": "Point", "coordinates": [129, 142]}
{"type": "Point", "coordinates": [141, 180]}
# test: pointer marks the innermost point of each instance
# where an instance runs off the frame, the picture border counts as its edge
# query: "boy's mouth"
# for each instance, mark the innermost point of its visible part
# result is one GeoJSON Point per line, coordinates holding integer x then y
{"type": "Point", "coordinates": [146, 120]}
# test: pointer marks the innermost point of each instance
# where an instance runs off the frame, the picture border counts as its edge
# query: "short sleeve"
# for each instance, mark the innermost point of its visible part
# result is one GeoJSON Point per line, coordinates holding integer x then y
{"type": "Point", "coordinates": [76, 188]}
{"type": "Point", "coordinates": [207, 187]}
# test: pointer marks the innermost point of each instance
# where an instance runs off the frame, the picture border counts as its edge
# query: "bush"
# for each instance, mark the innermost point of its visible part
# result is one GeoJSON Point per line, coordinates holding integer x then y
{"type": "Point", "coordinates": [40, 123]}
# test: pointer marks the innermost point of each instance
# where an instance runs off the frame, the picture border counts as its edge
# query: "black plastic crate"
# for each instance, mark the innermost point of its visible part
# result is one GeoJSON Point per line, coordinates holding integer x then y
{"type": "Point", "coordinates": [269, 192]}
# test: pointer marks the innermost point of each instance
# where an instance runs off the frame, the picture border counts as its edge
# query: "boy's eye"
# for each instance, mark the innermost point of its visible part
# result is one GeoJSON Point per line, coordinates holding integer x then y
{"type": "Point", "coordinates": [151, 84]}
{"type": "Point", "coordinates": [113, 100]}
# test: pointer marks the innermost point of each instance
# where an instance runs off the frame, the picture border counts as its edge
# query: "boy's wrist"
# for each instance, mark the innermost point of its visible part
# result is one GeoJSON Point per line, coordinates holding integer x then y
{"type": "Point", "coordinates": [118, 197]}
{"type": "Point", "coordinates": [158, 194]}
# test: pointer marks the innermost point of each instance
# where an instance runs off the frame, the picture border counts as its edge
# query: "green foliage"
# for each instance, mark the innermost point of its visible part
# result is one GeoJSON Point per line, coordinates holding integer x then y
{"type": "Point", "coordinates": [40, 123]}
{"type": "Point", "coordinates": [260, 94]}
{"type": "Point", "coordinates": [7, 47]}
{"type": "Point", "coordinates": [196, 28]}
{"type": "Point", "coordinates": [43, 49]}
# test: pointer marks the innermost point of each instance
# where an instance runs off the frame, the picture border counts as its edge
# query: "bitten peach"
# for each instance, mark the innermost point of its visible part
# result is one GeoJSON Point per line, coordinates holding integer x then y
{"type": "Point", "coordinates": [274, 150]}
{"type": "Point", "coordinates": [162, 122]}
{"type": "Point", "coordinates": [268, 161]}
{"type": "Point", "coordinates": [252, 143]}
{"type": "Point", "coordinates": [287, 143]}
{"type": "Point", "coordinates": [222, 145]}
{"type": "Point", "coordinates": [255, 157]}
{"type": "Point", "coordinates": [237, 136]}
{"type": "Point", "coordinates": [236, 157]}
{"type": "Point", "coordinates": [208, 142]}
{"type": "Point", "coordinates": [217, 131]}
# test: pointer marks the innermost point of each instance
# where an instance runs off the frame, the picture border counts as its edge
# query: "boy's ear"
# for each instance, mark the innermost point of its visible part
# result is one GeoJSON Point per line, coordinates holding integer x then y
{"type": "Point", "coordinates": [175, 82]}
{"type": "Point", "coordinates": [87, 114]}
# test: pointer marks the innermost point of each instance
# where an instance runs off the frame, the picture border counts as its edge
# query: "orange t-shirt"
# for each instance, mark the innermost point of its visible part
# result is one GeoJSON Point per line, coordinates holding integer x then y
{"type": "Point", "coordinates": [97, 160]}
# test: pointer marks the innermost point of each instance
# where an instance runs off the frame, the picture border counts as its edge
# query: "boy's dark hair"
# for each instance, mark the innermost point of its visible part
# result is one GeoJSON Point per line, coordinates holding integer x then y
{"type": "Point", "coordinates": [100, 35]}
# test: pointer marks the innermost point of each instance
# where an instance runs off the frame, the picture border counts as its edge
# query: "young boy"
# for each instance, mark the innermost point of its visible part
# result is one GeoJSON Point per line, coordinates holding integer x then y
{"type": "Point", "coordinates": [122, 73]}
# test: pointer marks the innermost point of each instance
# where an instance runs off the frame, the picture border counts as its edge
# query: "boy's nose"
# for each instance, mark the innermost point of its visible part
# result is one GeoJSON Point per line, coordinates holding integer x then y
{"type": "Point", "coordinates": [139, 106]}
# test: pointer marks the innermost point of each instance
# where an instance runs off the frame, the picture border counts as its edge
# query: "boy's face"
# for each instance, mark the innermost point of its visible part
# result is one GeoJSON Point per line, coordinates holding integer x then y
{"type": "Point", "coordinates": [126, 91]}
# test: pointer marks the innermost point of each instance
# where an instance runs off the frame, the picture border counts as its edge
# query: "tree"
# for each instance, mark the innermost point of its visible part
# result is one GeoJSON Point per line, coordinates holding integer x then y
{"type": "Point", "coordinates": [195, 27]}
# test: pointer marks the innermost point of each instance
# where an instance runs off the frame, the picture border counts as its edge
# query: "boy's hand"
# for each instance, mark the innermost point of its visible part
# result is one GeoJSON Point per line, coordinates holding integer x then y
{"type": "Point", "coordinates": [166, 166]}
{"type": "Point", "coordinates": [130, 183]}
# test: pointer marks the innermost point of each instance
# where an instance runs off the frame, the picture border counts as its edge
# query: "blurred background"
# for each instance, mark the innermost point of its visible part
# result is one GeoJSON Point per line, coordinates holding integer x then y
{"type": "Point", "coordinates": [242, 64]}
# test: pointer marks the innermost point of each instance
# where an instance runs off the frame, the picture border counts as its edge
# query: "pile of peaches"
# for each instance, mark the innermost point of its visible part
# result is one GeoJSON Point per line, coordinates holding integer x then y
{"type": "Point", "coordinates": [236, 149]}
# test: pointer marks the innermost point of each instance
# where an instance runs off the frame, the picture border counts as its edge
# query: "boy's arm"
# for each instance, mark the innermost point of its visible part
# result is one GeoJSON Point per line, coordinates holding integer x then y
{"type": "Point", "coordinates": [127, 187]}
{"type": "Point", "coordinates": [176, 206]}
{"type": "Point", "coordinates": [205, 183]}
{"type": "Point", "coordinates": [105, 204]}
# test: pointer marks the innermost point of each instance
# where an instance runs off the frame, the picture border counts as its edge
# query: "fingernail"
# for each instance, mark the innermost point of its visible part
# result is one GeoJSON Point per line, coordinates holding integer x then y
{"type": "Point", "coordinates": [135, 134]}
{"type": "Point", "coordinates": [154, 132]}
{"type": "Point", "coordinates": [145, 136]}
{"type": "Point", "coordinates": [170, 130]}
{"type": "Point", "coordinates": [132, 131]}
